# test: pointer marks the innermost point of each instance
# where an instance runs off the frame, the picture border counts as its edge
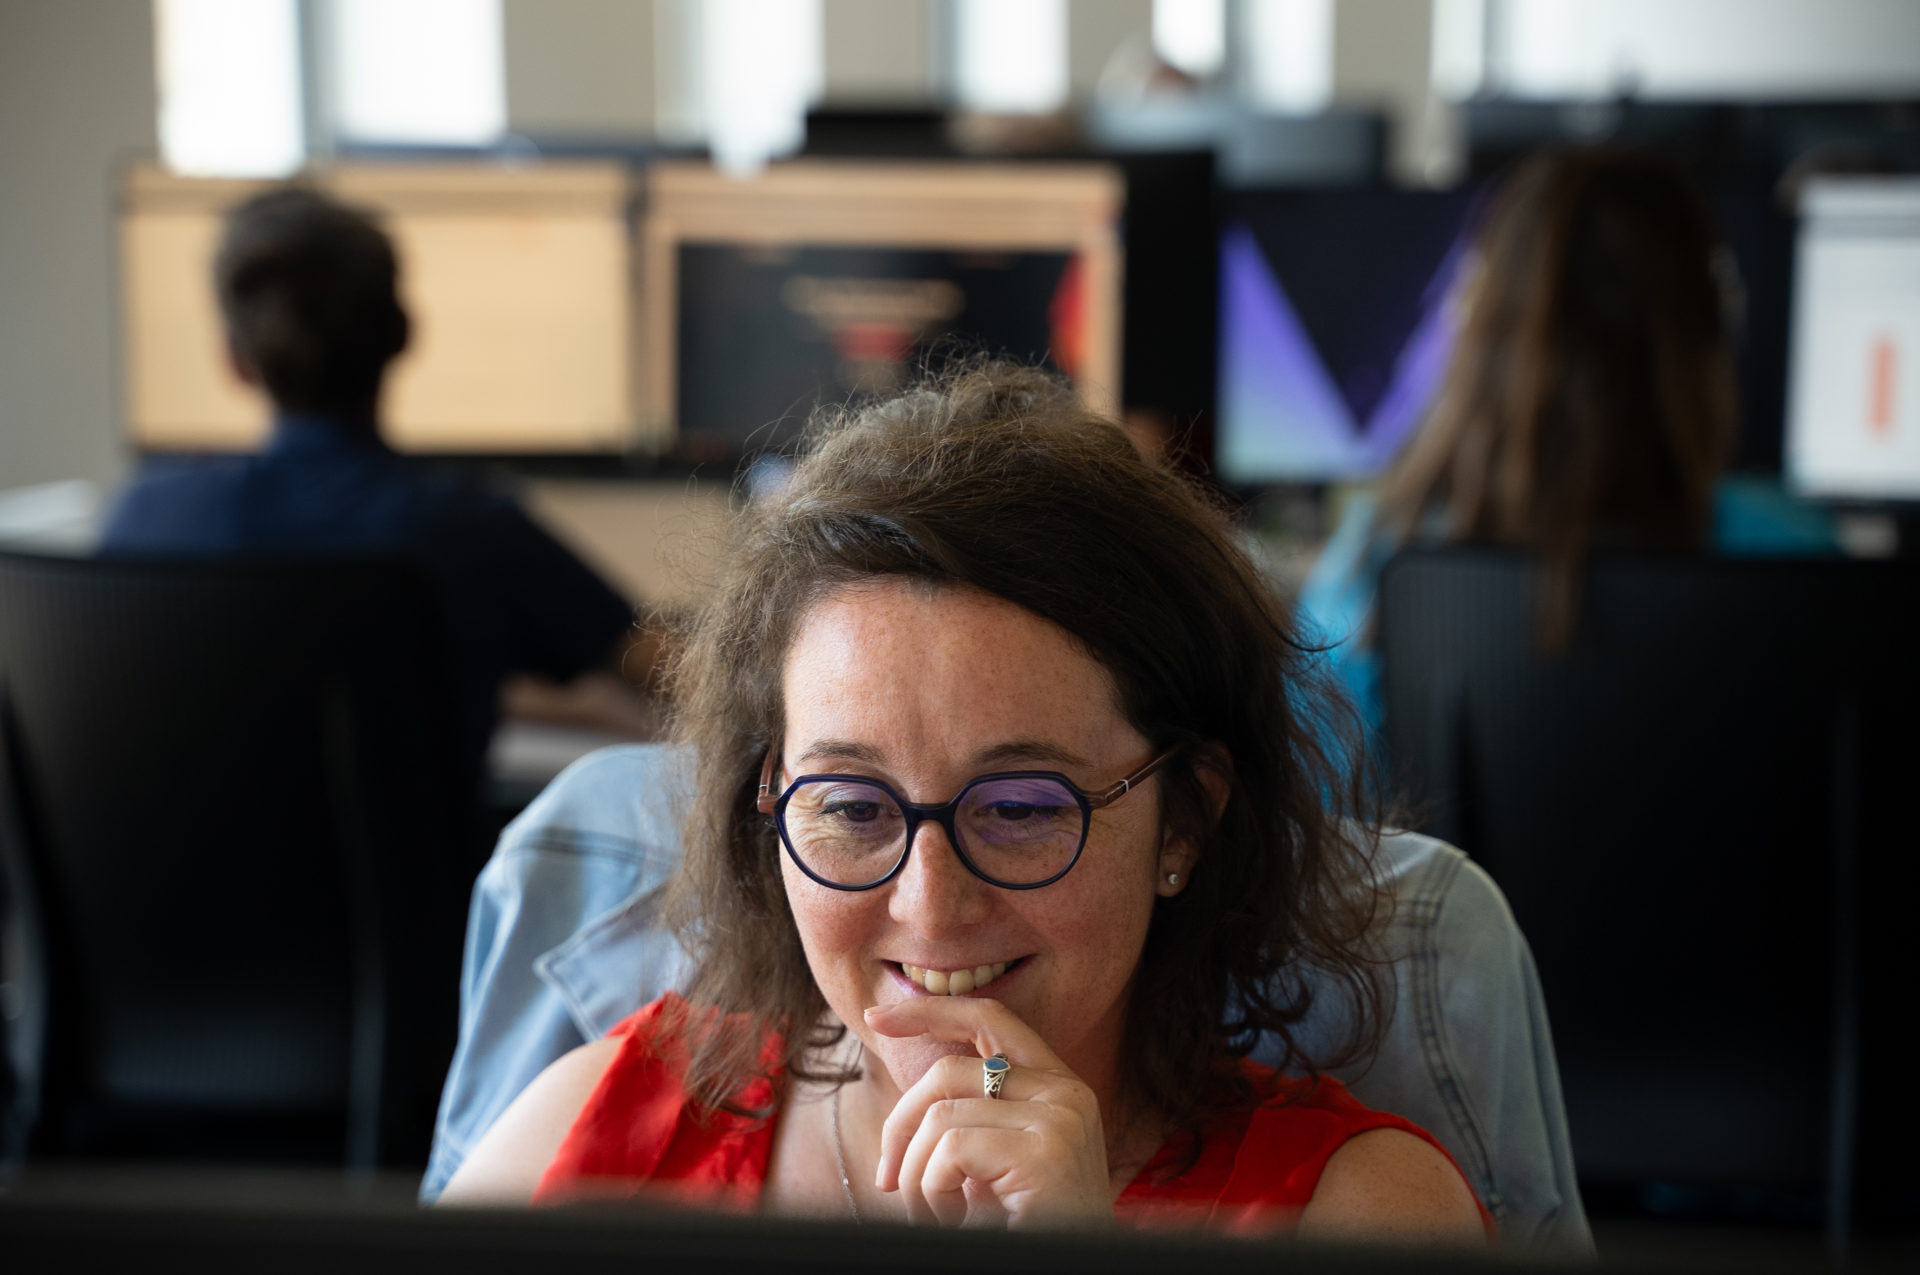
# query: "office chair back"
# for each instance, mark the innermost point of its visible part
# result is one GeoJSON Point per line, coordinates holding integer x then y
{"type": "Point", "coordinates": [1687, 809]}
{"type": "Point", "coordinates": [234, 834]}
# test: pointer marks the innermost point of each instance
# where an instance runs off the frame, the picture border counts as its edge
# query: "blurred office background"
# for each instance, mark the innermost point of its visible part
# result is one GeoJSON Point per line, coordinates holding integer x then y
{"type": "Point", "coordinates": [642, 238]}
{"type": "Point", "coordinates": [1360, 95]}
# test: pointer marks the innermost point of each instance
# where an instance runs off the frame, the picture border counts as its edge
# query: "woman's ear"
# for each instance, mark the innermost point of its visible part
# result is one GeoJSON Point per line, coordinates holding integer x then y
{"type": "Point", "coordinates": [1180, 849]}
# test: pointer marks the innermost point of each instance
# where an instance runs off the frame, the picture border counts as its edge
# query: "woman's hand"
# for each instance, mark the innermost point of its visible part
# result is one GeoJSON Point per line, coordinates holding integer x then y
{"type": "Point", "coordinates": [1037, 1155]}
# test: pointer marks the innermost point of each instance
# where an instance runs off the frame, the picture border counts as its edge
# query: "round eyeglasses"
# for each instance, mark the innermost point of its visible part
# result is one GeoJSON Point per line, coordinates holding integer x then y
{"type": "Point", "coordinates": [1017, 829]}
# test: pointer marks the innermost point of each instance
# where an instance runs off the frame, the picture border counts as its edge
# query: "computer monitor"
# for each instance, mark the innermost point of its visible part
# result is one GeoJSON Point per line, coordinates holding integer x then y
{"type": "Point", "coordinates": [1853, 396]}
{"type": "Point", "coordinates": [1334, 327]}
{"type": "Point", "coordinates": [1332, 148]}
{"type": "Point", "coordinates": [1169, 228]}
{"type": "Point", "coordinates": [1701, 137]}
{"type": "Point", "coordinates": [1757, 142]}
{"type": "Point", "coordinates": [518, 280]}
{"type": "Point", "coordinates": [879, 130]}
{"type": "Point", "coordinates": [818, 281]}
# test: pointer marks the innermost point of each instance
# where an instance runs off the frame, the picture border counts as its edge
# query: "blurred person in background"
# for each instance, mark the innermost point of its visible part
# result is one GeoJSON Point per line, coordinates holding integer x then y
{"type": "Point", "coordinates": [307, 290]}
{"type": "Point", "coordinates": [1589, 404]}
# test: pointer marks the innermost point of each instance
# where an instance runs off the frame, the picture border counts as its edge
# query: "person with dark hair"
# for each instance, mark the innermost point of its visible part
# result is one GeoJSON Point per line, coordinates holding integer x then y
{"type": "Point", "coordinates": [308, 293]}
{"type": "Point", "coordinates": [1012, 833]}
{"type": "Point", "coordinates": [1589, 402]}
{"type": "Point", "coordinates": [307, 288]}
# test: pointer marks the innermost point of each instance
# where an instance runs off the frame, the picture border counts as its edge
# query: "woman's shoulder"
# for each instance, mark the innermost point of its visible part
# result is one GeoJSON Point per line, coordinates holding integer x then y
{"type": "Point", "coordinates": [1366, 1174]}
{"type": "Point", "coordinates": [506, 1164]}
{"type": "Point", "coordinates": [642, 1127]}
{"type": "Point", "coordinates": [510, 1160]}
{"type": "Point", "coordinates": [1390, 1184]}
{"type": "Point", "coordinates": [1304, 1152]}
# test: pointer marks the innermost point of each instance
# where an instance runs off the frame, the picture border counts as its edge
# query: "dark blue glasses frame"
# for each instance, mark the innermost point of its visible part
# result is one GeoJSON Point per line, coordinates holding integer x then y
{"type": "Point", "coordinates": [942, 812]}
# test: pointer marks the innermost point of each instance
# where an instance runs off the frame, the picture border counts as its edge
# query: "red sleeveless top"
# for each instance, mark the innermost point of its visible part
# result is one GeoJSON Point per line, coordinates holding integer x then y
{"type": "Point", "coordinates": [638, 1134]}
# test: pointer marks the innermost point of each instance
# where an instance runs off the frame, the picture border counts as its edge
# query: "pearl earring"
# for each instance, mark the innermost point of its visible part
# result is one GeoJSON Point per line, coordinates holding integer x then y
{"type": "Point", "coordinates": [1173, 878]}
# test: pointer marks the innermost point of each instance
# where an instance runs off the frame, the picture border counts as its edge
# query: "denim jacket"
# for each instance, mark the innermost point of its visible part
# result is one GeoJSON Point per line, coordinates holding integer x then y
{"type": "Point", "coordinates": [562, 943]}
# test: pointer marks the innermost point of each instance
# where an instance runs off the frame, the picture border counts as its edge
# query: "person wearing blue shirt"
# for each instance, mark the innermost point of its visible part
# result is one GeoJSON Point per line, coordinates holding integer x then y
{"type": "Point", "coordinates": [307, 289]}
{"type": "Point", "coordinates": [1589, 404]}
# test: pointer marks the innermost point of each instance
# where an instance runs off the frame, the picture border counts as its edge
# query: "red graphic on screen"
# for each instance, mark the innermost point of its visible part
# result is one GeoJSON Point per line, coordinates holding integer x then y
{"type": "Point", "coordinates": [874, 342]}
{"type": "Point", "coordinates": [1883, 369]}
{"type": "Point", "coordinates": [1068, 318]}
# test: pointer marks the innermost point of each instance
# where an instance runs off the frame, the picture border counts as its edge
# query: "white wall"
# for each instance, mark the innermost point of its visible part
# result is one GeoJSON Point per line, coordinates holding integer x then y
{"type": "Point", "coordinates": [579, 67]}
{"type": "Point", "coordinates": [880, 50]}
{"type": "Point", "coordinates": [1383, 57]}
{"type": "Point", "coordinates": [1096, 30]}
{"type": "Point", "coordinates": [76, 98]}
{"type": "Point", "coordinates": [1705, 48]}
{"type": "Point", "coordinates": [591, 68]}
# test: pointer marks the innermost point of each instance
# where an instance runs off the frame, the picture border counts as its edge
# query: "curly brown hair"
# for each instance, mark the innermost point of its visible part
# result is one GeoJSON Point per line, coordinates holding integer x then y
{"type": "Point", "coordinates": [996, 478]}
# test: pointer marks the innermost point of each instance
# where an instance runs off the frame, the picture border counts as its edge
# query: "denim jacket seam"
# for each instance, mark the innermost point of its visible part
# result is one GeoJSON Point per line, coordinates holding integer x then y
{"type": "Point", "coordinates": [579, 845]}
{"type": "Point", "coordinates": [545, 965]}
{"type": "Point", "coordinates": [1424, 911]}
{"type": "Point", "coordinates": [448, 1138]}
{"type": "Point", "coordinates": [576, 1009]}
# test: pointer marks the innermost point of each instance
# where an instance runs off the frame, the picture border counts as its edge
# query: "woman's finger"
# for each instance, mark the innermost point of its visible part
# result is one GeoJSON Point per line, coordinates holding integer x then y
{"type": "Point", "coordinates": [940, 1120]}
{"type": "Point", "coordinates": [987, 1157]}
{"type": "Point", "coordinates": [962, 1078]}
{"type": "Point", "coordinates": [986, 1024]}
{"type": "Point", "coordinates": [1047, 1118]}
{"type": "Point", "coordinates": [950, 1079]}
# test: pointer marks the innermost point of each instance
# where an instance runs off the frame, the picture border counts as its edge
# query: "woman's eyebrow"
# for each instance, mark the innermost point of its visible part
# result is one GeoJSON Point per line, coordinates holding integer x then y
{"type": "Point", "coordinates": [842, 748]}
{"type": "Point", "coordinates": [1013, 750]}
{"type": "Point", "coordinates": [1028, 750]}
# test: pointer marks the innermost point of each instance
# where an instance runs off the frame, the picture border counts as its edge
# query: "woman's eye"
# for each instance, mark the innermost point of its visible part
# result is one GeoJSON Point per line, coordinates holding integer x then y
{"type": "Point", "coordinates": [1011, 810]}
{"type": "Point", "coordinates": [855, 811]}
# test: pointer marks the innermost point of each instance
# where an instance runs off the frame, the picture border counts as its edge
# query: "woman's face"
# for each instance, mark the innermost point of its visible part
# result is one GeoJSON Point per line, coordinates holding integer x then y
{"type": "Point", "coordinates": [926, 687]}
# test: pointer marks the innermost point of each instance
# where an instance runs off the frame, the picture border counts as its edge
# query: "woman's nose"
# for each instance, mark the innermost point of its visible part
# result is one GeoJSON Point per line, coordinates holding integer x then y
{"type": "Point", "coordinates": [935, 894]}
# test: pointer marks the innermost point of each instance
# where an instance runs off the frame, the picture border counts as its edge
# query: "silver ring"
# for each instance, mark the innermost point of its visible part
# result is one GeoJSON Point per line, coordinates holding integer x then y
{"type": "Point", "coordinates": [993, 1073]}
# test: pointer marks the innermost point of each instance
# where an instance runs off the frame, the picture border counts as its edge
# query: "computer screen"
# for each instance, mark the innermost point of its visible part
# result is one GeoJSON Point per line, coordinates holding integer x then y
{"type": "Point", "coordinates": [518, 281]}
{"type": "Point", "coordinates": [765, 334]}
{"type": "Point", "coordinates": [818, 281]}
{"type": "Point", "coordinates": [1334, 328]}
{"type": "Point", "coordinates": [1168, 232]}
{"type": "Point", "coordinates": [1853, 400]}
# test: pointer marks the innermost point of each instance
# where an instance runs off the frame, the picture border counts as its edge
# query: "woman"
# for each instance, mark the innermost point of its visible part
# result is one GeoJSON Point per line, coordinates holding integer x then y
{"type": "Point", "coordinates": [1589, 402]}
{"type": "Point", "coordinates": [1011, 822]}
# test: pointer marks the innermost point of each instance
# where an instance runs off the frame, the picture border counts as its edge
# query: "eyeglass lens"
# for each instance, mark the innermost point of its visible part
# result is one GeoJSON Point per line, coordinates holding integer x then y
{"type": "Point", "coordinates": [1016, 830]}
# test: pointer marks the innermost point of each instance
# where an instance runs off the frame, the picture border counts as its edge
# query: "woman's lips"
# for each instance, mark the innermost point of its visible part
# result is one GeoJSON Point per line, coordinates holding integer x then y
{"type": "Point", "coordinates": [958, 982]}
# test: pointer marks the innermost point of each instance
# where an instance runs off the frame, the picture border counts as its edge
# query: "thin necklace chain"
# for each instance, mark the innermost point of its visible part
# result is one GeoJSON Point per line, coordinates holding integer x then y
{"type": "Point", "coordinates": [840, 1157]}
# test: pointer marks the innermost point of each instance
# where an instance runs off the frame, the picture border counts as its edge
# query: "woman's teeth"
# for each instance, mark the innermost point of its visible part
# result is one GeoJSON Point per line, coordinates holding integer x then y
{"type": "Point", "coordinates": [955, 982]}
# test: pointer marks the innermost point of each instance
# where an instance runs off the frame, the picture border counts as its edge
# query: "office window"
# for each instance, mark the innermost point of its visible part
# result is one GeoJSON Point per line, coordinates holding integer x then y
{"type": "Point", "coordinates": [1552, 48]}
{"type": "Point", "coordinates": [739, 76]}
{"type": "Point", "coordinates": [1010, 55]}
{"type": "Point", "coordinates": [1191, 35]}
{"type": "Point", "coordinates": [1703, 48]}
{"type": "Point", "coordinates": [430, 72]}
{"type": "Point", "coordinates": [763, 62]}
{"type": "Point", "coordinates": [229, 79]}
{"type": "Point", "coordinates": [1288, 48]}
{"type": "Point", "coordinates": [1459, 47]}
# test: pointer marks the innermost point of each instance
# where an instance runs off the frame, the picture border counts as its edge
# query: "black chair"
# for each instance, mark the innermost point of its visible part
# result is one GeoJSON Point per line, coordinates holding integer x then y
{"type": "Point", "coordinates": [234, 831]}
{"type": "Point", "coordinates": [1693, 809]}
